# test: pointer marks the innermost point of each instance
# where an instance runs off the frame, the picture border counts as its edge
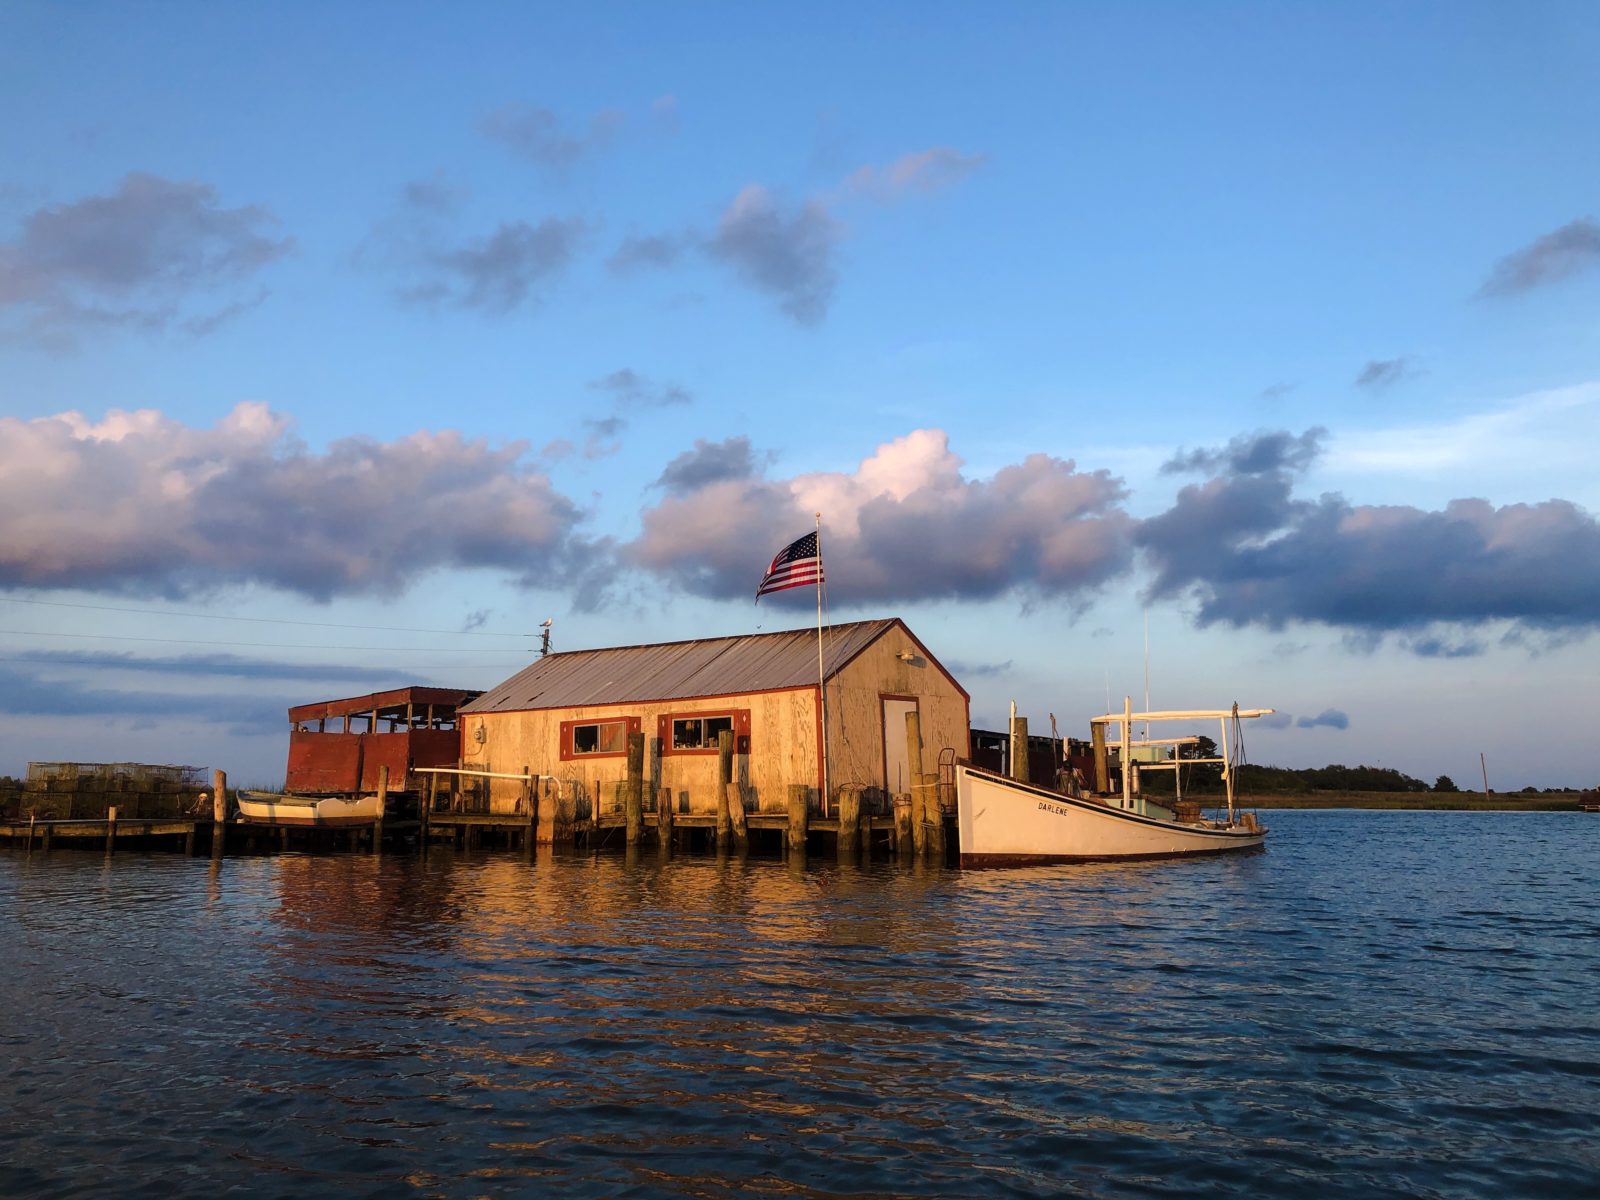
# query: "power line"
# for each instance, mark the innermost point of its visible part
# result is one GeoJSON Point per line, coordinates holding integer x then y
{"type": "Point", "coordinates": [158, 612]}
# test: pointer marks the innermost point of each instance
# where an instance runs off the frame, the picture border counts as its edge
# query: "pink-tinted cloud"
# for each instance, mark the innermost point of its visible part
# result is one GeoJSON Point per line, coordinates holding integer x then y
{"type": "Point", "coordinates": [141, 503]}
{"type": "Point", "coordinates": [906, 524]}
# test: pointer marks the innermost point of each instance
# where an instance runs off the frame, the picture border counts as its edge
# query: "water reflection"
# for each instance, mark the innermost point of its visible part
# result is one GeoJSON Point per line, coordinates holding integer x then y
{"type": "Point", "coordinates": [1346, 1014]}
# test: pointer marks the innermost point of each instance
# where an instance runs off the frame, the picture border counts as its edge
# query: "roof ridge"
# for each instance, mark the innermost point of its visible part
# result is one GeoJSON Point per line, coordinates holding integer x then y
{"type": "Point", "coordinates": [725, 637]}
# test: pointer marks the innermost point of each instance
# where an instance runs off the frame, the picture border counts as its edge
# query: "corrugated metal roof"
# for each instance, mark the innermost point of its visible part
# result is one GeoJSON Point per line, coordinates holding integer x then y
{"type": "Point", "coordinates": [727, 666]}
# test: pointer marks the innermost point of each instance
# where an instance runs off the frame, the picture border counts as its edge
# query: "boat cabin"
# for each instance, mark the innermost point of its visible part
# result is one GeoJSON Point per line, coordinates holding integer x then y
{"type": "Point", "coordinates": [339, 747]}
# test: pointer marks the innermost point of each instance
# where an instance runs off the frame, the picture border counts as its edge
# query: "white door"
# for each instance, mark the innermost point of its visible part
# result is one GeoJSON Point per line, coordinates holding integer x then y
{"type": "Point", "coordinates": [896, 766]}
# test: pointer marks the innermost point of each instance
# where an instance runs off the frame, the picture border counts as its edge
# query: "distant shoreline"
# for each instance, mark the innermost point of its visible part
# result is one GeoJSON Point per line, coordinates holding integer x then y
{"type": "Point", "coordinates": [1415, 801]}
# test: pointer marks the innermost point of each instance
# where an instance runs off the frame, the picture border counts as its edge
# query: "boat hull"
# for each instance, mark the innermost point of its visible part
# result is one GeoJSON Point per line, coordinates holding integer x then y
{"type": "Point", "coordinates": [1006, 823]}
{"type": "Point", "coordinates": [332, 811]}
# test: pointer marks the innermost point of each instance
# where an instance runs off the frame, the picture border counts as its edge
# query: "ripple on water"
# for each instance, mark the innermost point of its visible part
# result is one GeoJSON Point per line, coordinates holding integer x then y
{"type": "Point", "coordinates": [1349, 1014]}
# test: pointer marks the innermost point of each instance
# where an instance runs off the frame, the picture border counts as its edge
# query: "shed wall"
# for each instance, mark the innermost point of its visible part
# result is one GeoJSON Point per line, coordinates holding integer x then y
{"type": "Point", "coordinates": [783, 749]}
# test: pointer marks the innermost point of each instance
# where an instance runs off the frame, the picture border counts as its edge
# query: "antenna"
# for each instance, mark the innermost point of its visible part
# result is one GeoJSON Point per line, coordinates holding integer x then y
{"type": "Point", "coordinates": [544, 635]}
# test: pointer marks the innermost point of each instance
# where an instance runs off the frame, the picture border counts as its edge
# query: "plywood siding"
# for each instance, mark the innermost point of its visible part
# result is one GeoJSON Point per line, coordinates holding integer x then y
{"type": "Point", "coordinates": [783, 749]}
{"type": "Point", "coordinates": [855, 733]}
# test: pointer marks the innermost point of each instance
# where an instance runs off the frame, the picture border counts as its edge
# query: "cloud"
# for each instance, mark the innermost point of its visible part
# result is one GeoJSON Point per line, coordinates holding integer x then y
{"type": "Point", "coordinates": [1276, 391]}
{"type": "Point", "coordinates": [630, 390]}
{"type": "Point", "coordinates": [637, 253]}
{"type": "Point", "coordinates": [500, 272]}
{"type": "Point", "coordinates": [140, 503]}
{"type": "Point", "coordinates": [924, 171]}
{"type": "Point", "coordinates": [707, 463]}
{"type": "Point", "coordinates": [603, 434]}
{"type": "Point", "coordinates": [229, 666]}
{"type": "Point", "coordinates": [1558, 255]}
{"type": "Point", "coordinates": [536, 135]}
{"type": "Point", "coordinates": [30, 693]}
{"type": "Point", "coordinates": [1253, 453]}
{"type": "Point", "coordinates": [905, 524]}
{"type": "Point", "coordinates": [1330, 718]}
{"type": "Point", "coordinates": [434, 194]}
{"type": "Point", "coordinates": [1382, 373]}
{"type": "Point", "coordinates": [1251, 553]}
{"type": "Point", "coordinates": [1277, 720]}
{"type": "Point", "coordinates": [141, 257]}
{"type": "Point", "coordinates": [787, 254]}
{"type": "Point", "coordinates": [974, 670]}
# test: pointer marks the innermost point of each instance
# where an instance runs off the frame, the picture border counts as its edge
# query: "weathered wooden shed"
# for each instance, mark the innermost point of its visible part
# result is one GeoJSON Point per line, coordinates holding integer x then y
{"type": "Point", "coordinates": [569, 716]}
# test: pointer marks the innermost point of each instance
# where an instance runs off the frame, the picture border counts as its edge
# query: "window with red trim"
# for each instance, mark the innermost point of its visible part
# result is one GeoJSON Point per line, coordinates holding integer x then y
{"type": "Point", "coordinates": [698, 733]}
{"type": "Point", "coordinates": [597, 739]}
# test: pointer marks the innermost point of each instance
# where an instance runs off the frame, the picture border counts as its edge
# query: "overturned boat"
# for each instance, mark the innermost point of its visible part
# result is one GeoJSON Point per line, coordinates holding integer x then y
{"type": "Point", "coordinates": [273, 808]}
{"type": "Point", "coordinates": [1004, 821]}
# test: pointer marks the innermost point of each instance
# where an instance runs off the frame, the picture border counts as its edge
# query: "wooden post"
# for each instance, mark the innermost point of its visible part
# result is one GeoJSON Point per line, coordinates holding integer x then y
{"type": "Point", "coordinates": [219, 811]}
{"type": "Point", "coordinates": [903, 842]}
{"type": "Point", "coordinates": [664, 816]}
{"type": "Point", "coordinates": [188, 840]}
{"type": "Point", "coordinates": [738, 826]}
{"type": "Point", "coordinates": [866, 833]}
{"type": "Point", "coordinates": [934, 813]}
{"type": "Point", "coordinates": [530, 808]}
{"type": "Point", "coordinates": [799, 816]}
{"type": "Point", "coordinates": [426, 815]}
{"type": "Point", "coordinates": [111, 828]}
{"type": "Point", "coordinates": [1102, 768]}
{"type": "Point", "coordinates": [724, 791]}
{"type": "Point", "coordinates": [383, 801]}
{"type": "Point", "coordinates": [545, 823]}
{"type": "Point", "coordinates": [655, 772]}
{"type": "Point", "coordinates": [633, 796]}
{"type": "Point", "coordinates": [1019, 749]}
{"type": "Point", "coordinates": [849, 820]}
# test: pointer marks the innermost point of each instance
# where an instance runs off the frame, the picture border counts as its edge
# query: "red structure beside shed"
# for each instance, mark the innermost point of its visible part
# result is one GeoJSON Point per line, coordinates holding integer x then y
{"type": "Point", "coordinates": [340, 746]}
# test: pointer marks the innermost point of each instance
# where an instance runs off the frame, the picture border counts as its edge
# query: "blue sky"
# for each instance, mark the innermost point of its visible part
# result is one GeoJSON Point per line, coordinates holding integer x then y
{"type": "Point", "coordinates": [1273, 327]}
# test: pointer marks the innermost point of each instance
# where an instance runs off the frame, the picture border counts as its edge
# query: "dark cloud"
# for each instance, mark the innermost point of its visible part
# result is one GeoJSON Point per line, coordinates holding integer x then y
{"type": "Point", "coordinates": [1330, 718]}
{"type": "Point", "coordinates": [475, 619]}
{"type": "Point", "coordinates": [227, 666]}
{"type": "Point", "coordinates": [1277, 720]}
{"type": "Point", "coordinates": [1253, 554]}
{"type": "Point", "coordinates": [36, 694]}
{"type": "Point", "coordinates": [1438, 646]}
{"type": "Point", "coordinates": [905, 524]}
{"type": "Point", "coordinates": [434, 195]}
{"type": "Point", "coordinates": [1382, 373]}
{"type": "Point", "coordinates": [708, 463]}
{"type": "Point", "coordinates": [1558, 255]}
{"type": "Point", "coordinates": [1253, 453]}
{"type": "Point", "coordinates": [630, 390]}
{"type": "Point", "coordinates": [657, 250]}
{"type": "Point", "coordinates": [142, 504]}
{"type": "Point", "coordinates": [142, 257]}
{"type": "Point", "coordinates": [500, 272]}
{"type": "Point", "coordinates": [788, 255]}
{"type": "Point", "coordinates": [973, 670]}
{"type": "Point", "coordinates": [537, 135]}
{"type": "Point", "coordinates": [1276, 391]}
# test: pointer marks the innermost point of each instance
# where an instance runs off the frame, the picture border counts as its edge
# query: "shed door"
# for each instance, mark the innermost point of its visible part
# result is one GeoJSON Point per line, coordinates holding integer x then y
{"type": "Point", "coordinates": [896, 766]}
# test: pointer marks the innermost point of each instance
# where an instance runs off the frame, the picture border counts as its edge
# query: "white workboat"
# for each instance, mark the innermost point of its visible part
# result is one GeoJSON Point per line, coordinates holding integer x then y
{"type": "Point", "coordinates": [270, 808]}
{"type": "Point", "coordinates": [1006, 822]}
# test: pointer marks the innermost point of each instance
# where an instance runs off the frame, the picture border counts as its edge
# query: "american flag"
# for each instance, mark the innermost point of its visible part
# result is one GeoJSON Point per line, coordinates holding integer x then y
{"type": "Point", "coordinates": [799, 564]}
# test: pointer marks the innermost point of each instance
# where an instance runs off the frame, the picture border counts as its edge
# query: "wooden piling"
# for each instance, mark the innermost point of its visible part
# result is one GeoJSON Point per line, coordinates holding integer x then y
{"type": "Point", "coordinates": [633, 798]}
{"type": "Point", "coordinates": [219, 811]}
{"type": "Point", "coordinates": [426, 814]}
{"type": "Point", "coordinates": [545, 821]}
{"type": "Point", "coordinates": [738, 825]}
{"type": "Point", "coordinates": [1019, 749]}
{"type": "Point", "coordinates": [933, 813]}
{"type": "Point", "coordinates": [383, 800]}
{"type": "Point", "coordinates": [849, 821]}
{"type": "Point", "coordinates": [1102, 768]}
{"type": "Point", "coordinates": [111, 828]}
{"type": "Point", "coordinates": [903, 843]}
{"type": "Point", "coordinates": [799, 816]}
{"type": "Point", "coordinates": [724, 828]}
{"type": "Point", "coordinates": [664, 816]}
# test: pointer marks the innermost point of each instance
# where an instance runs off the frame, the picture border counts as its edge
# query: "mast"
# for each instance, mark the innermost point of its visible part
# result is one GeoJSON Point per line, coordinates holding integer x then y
{"type": "Point", "coordinates": [822, 688]}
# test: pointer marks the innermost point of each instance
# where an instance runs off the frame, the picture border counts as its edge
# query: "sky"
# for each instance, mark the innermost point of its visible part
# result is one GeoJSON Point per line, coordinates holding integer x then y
{"type": "Point", "coordinates": [1209, 353]}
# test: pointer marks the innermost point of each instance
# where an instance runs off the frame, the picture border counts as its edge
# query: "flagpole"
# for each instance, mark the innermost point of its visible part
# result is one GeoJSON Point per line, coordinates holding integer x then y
{"type": "Point", "coordinates": [822, 689]}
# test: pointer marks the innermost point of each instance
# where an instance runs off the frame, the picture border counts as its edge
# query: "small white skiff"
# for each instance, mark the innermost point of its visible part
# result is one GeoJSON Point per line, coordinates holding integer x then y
{"type": "Point", "coordinates": [1007, 822]}
{"type": "Point", "coordinates": [268, 808]}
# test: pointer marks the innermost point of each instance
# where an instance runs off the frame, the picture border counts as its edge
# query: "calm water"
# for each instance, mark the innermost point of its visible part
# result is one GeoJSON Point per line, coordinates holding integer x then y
{"type": "Point", "coordinates": [1382, 1004]}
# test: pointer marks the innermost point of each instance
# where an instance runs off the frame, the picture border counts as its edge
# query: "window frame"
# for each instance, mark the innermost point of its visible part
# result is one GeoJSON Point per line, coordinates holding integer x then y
{"type": "Point", "coordinates": [569, 754]}
{"type": "Point", "coordinates": [741, 731]}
